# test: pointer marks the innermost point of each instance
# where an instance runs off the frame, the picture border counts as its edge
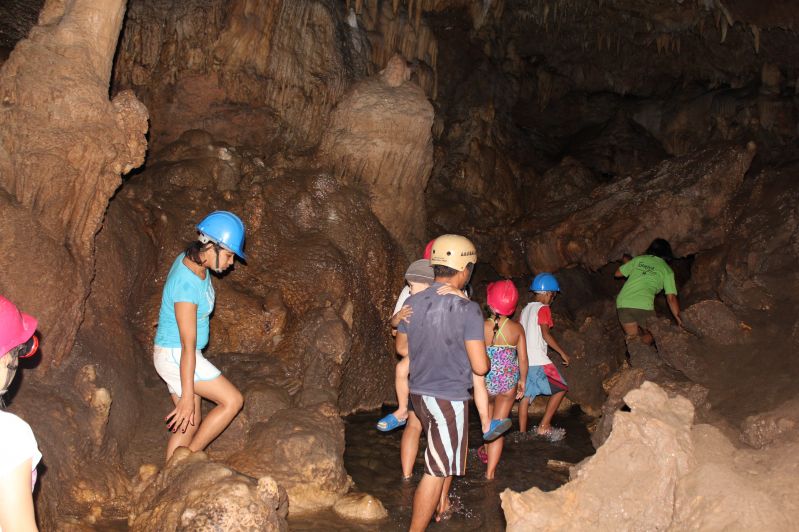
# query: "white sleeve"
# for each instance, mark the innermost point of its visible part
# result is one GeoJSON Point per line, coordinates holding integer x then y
{"type": "Point", "coordinates": [404, 295]}
{"type": "Point", "coordinates": [17, 443]}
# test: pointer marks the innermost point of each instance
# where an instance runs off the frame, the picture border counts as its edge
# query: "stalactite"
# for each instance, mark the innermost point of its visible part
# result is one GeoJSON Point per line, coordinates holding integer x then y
{"type": "Point", "coordinates": [756, 36]}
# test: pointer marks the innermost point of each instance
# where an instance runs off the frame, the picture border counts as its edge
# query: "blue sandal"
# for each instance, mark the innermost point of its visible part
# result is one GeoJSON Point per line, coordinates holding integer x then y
{"type": "Point", "coordinates": [389, 423]}
{"type": "Point", "coordinates": [497, 428]}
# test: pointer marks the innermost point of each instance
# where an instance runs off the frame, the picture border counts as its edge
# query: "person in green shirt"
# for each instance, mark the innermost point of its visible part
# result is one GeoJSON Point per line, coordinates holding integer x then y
{"type": "Point", "coordinates": [646, 275]}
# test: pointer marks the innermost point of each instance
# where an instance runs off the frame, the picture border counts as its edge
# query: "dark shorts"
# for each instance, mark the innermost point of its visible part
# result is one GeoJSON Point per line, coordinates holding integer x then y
{"type": "Point", "coordinates": [446, 425]}
{"type": "Point", "coordinates": [635, 315]}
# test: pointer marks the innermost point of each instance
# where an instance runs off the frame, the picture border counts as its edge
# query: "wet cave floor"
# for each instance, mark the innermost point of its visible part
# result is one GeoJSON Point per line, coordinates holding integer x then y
{"type": "Point", "coordinates": [372, 460]}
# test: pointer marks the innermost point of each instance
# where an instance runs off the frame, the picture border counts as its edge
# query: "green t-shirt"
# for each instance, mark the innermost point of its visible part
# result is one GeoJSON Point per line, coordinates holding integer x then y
{"type": "Point", "coordinates": [646, 276]}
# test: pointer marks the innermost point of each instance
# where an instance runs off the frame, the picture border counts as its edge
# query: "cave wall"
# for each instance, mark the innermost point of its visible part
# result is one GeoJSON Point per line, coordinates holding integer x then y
{"type": "Point", "coordinates": [537, 128]}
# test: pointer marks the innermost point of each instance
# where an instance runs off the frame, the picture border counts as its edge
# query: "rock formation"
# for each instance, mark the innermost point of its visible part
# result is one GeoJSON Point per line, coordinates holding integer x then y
{"type": "Point", "coordinates": [684, 200]}
{"type": "Point", "coordinates": [657, 470]}
{"type": "Point", "coordinates": [64, 149]}
{"type": "Point", "coordinates": [380, 138]}
{"type": "Point", "coordinates": [192, 493]}
{"type": "Point", "coordinates": [303, 450]}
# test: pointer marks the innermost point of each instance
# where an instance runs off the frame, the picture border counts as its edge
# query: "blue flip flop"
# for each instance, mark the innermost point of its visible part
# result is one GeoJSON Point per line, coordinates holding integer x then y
{"type": "Point", "coordinates": [389, 423]}
{"type": "Point", "coordinates": [496, 429]}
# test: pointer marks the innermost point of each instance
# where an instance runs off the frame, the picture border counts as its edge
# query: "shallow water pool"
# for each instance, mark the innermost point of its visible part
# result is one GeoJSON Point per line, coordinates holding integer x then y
{"type": "Point", "coordinates": [372, 459]}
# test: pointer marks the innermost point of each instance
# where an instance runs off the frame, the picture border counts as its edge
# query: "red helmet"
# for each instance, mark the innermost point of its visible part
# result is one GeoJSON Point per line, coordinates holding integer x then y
{"type": "Point", "coordinates": [502, 297]}
{"type": "Point", "coordinates": [428, 250]}
{"type": "Point", "coordinates": [16, 327]}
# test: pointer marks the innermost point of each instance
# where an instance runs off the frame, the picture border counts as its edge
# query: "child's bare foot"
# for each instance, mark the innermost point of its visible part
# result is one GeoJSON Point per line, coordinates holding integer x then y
{"type": "Point", "coordinates": [551, 433]}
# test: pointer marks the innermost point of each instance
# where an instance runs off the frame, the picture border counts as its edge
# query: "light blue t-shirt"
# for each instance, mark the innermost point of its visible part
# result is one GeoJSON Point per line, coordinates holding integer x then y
{"type": "Point", "coordinates": [183, 285]}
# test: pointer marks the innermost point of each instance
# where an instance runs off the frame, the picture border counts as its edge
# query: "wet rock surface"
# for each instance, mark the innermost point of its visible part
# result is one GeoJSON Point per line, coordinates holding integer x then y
{"type": "Point", "coordinates": [302, 449]}
{"type": "Point", "coordinates": [192, 493]}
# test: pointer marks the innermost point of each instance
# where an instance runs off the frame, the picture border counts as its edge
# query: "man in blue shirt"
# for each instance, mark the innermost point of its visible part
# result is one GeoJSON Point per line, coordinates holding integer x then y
{"type": "Point", "coordinates": [446, 345]}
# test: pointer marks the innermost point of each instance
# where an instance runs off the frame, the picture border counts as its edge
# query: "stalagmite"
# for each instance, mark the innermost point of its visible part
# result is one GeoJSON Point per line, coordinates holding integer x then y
{"type": "Point", "coordinates": [723, 29]}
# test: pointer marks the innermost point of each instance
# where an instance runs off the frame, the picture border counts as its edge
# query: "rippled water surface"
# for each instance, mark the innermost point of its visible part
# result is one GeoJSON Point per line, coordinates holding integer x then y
{"type": "Point", "coordinates": [372, 459]}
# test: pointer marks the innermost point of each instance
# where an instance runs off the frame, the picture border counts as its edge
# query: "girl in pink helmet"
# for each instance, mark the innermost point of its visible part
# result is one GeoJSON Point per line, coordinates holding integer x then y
{"type": "Point", "coordinates": [19, 453]}
{"type": "Point", "coordinates": [507, 350]}
{"type": "Point", "coordinates": [183, 330]}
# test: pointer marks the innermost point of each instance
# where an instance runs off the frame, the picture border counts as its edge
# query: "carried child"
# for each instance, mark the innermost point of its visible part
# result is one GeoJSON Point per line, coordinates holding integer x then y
{"type": "Point", "coordinates": [543, 378]}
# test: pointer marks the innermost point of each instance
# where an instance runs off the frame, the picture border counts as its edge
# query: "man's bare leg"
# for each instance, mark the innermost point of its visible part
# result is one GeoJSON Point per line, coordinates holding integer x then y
{"type": "Point", "coordinates": [425, 501]}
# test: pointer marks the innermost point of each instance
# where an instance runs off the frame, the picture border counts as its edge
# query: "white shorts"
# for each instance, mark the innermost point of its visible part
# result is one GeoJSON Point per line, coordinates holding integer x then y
{"type": "Point", "coordinates": [167, 364]}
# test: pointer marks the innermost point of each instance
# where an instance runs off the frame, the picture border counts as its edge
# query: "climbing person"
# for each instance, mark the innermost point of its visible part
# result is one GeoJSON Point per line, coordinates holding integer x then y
{"type": "Point", "coordinates": [19, 452]}
{"type": "Point", "coordinates": [507, 351]}
{"type": "Point", "coordinates": [445, 343]}
{"type": "Point", "coordinates": [183, 329]}
{"type": "Point", "coordinates": [543, 378]}
{"type": "Point", "coordinates": [646, 275]}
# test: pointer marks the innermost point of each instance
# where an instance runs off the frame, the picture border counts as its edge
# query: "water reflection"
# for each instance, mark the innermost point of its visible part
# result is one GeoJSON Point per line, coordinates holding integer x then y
{"type": "Point", "coordinates": [372, 459]}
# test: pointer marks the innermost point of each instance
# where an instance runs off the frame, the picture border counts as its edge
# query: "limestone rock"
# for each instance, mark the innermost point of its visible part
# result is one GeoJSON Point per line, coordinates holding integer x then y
{"type": "Point", "coordinates": [679, 349]}
{"type": "Point", "coordinates": [715, 321]}
{"type": "Point", "coordinates": [626, 215]}
{"type": "Point", "coordinates": [380, 137]}
{"type": "Point", "coordinates": [64, 148]}
{"type": "Point", "coordinates": [360, 507]}
{"type": "Point", "coordinates": [594, 357]}
{"type": "Point", "coordinates": [303, 450]}
{"type": "Point", "coordinates": [617, 386]}
{"type": "Point", "coordinates": [192, 493]}
{"type": "Point", "coordinates": [764, 429]}
{"type": "Point", "coordinates": [629, 484]}
{"type": "Point", "coordinates": [217, 55]}
{"type": "Point", "coordinates": [696, 479]}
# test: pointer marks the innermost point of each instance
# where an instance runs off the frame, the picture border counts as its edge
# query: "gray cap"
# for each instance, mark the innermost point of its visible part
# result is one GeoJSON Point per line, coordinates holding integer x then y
{"type": "Point", "coordinates": [420, 271]}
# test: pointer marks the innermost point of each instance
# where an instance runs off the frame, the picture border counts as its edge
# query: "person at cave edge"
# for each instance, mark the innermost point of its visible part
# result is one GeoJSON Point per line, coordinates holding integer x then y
{"type": "Point", "coordinates": [446, 345]}
{"type": "Point", "coordinates": [646, 276]}
{"type": "Point", "coordinates": [19, 452]}
{"type": "Point", "coordinates": [183, 330]}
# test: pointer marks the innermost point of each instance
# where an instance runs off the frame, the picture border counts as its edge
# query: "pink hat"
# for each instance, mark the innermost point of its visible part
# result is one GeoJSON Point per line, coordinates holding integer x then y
{"type": "Point", "coordinates": [15, 327]}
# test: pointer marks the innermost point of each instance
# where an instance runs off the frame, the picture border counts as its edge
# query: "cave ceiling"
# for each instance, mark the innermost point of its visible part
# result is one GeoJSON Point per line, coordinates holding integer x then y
{"type": "Point", "coordinates": [639, 47]}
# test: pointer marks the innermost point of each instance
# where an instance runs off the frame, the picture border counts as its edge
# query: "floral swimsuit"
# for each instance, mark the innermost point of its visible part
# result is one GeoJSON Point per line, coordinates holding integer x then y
{"type": "Point", "coordinates": [504, 374]}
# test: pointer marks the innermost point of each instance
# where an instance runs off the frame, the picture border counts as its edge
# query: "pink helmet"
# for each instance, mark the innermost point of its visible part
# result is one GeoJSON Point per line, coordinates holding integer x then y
{"type": "Point", "coordinates": [15, 327]}
{"type": "Point", "coordinates": [502, 297]}
{"type": "Point", "coordinates": [428, 250]}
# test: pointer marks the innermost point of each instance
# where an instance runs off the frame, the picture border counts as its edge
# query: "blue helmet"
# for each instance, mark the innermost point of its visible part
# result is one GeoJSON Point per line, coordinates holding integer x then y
{"type": "Point", "coordinates": [223, 228]}
{"type": "Point", "coordinates": [545, 282]}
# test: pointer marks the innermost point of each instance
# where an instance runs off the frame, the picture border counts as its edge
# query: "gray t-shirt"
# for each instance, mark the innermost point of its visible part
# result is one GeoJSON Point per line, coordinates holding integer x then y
{"type": "Point", "coordinates": [436, 333]}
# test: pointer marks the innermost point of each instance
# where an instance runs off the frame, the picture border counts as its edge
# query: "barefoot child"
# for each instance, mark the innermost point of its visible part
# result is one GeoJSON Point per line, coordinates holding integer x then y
{"type": "Point", "coordinates": [543, 378]}
{"type": "Point", "coordinates": [507, 350]}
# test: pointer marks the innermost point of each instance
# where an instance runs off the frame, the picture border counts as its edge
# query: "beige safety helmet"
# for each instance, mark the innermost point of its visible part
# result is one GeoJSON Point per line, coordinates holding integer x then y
{"type": "Point", "coordinates": [454, 251]}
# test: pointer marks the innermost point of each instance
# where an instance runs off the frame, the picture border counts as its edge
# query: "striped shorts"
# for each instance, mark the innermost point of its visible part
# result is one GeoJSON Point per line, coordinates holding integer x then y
{"type": "Point", "coordinates": [446, 424]}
